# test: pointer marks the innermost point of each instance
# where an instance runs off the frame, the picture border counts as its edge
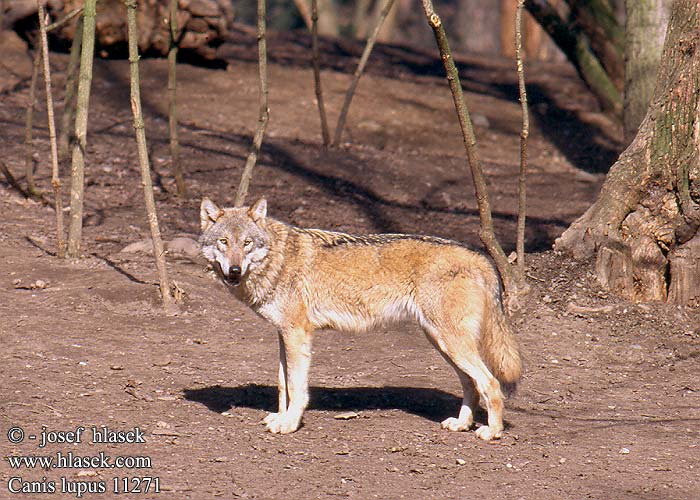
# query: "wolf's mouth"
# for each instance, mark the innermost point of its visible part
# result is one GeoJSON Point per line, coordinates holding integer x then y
{"type": "Point", "coordinates": [233, 279]}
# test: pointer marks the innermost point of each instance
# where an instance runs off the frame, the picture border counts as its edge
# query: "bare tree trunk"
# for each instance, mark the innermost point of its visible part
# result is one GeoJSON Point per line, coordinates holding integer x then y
{"type": "Point", "coordinates": [55, 179]}
{"type": "Point", "coordinates": [361, 18]}
{"type": "Point", "coordinates": [577, 49]}
{"type": "Point", "coordinates": [303, 9]}
{"type": "Point", "coordinates": [597, 20]}
{"type": "Point", "coordinates": [645, 31]}
{"type": "Point", "coordinates": [477, 22]}
{"type": "Point", "coordinates": [486, 232]}
{"type": "Point", "coordinates": [358, 72]}
{"type": "Point", "coordinates": [68, 116]}
{"type": "Point", "coordinates": [158, 249]}
{"type": "Point", "coordinates": [264, 111]}
{"type": "Point", "coordinates": [82, 105]}
{"type": "Point", "coordinates": [522, 208]}
{"type": "Point", "coordinates": [172, 108]}
{"type": "Point", "coordinates": [325, 134]}
{"type": "Point", "coordinates": [29, 128]}
{"type": "Point", "coordinates": [643, 228]}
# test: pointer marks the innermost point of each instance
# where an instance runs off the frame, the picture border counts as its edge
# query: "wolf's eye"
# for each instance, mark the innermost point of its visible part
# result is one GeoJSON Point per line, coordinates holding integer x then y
{"type": "Point", "coordinates": [248, 242]}
{"type": "Point", "coordinates": [223, 241]}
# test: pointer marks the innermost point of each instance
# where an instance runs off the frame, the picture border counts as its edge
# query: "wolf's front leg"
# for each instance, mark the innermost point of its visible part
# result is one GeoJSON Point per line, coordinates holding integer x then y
{"type": "Point", "coordinates": [295, 359]}
{"type": "Point", "coordinates": [281, 384]}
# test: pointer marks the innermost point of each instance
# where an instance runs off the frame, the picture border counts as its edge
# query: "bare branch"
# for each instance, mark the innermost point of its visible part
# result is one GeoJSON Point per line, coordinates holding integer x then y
{"type": "Point", "coordinates": [522, 208]}
{"type": "Point", "coordinates": [29, 128]}
{"type": "Point", "coordinates": [264, 112]}
{"type": "Point", "coordinates": [172, 108]}
{"type": "Point", "coordinates": [55, 179]}
{"type": "Point", "coordinates": [317, 73]}
{"type": "Point", "coordinates": [158, 249]}
{"type": "Point", "coordinates": [486, 233]}
{"type": "Point", "coordinates": [358, 72]}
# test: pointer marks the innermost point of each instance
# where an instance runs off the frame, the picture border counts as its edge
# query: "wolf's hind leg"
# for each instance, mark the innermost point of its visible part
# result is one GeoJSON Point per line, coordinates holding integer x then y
{"type": "Point", "coordinates": [458, 345]}
{"type": "Point", "coordinates": [297, 359]}
{"type": "Point", "coordinates": [465, 419]}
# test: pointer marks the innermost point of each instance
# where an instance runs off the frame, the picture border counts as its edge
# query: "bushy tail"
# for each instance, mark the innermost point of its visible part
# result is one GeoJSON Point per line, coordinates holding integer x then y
{"type": "Point", "coordinates": [498, 346]}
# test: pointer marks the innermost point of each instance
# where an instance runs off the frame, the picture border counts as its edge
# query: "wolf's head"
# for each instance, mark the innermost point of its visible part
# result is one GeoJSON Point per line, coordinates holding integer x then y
{"type": "Point", "coordinates": [234, 240]}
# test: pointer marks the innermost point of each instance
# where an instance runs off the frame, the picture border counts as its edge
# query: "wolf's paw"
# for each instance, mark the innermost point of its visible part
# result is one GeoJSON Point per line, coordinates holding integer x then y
{"type": "Point", "coordinates": [487, 433]}
{"type": "Point", "coordinates": [281, 423]}
{"type": "Point", "coordinates": [455, 424]}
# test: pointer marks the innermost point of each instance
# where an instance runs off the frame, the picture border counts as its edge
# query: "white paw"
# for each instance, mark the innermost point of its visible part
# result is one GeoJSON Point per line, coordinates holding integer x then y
{"type": "Point", "coordinates": [455, 424]}
{"type": "Point", "coordinates": [487, 433]}
{"type": "Point", "coordinates": [283, 423]}
{"type": "Point", "coordinates": [269, 418]}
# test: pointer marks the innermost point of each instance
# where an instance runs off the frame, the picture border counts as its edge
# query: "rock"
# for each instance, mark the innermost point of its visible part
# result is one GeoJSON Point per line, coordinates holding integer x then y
{"type": "Point", "coordinates": [15, 63]}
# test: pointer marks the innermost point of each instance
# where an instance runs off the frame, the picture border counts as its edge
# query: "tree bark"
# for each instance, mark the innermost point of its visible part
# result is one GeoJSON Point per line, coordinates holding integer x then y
{"type": "Point", "coordinates": [645, 30]}
{"type": "Point", "coordinates": [68, 116]}
{"type": "Point", "coordinates": [643, 228]}
{"type": "Point", "coordinates": [158, 249]}
{"type": "Point", "coordinates": [75, 230]}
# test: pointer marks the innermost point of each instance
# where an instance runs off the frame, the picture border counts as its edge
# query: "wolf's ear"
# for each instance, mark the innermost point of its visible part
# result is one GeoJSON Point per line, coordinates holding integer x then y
{"type": "Point", "coordinates": [258, 211]}
{"type": "Point", "coordinates": [209, 213]}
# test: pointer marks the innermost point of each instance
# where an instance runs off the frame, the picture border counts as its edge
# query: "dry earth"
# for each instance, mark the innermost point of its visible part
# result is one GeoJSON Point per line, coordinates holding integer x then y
{"type": "Point", "coordinates": [608, 407]}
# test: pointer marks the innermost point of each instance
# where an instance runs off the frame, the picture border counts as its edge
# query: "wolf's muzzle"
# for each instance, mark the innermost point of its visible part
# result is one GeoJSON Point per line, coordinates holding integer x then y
{"type": "Point", "coordinates": [234, 275]}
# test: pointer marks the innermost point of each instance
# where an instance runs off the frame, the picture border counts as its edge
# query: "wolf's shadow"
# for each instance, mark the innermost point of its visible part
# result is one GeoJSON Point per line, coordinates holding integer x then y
{"type": "Point", "coordinates": [432, 404]}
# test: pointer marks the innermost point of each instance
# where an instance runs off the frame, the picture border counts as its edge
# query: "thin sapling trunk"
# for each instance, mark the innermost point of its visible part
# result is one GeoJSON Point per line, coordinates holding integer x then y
{"type": "Point", "coordinates": [82, 105]}
{"type": "Point", "coordinates": [29, 128]}
{"type": "Point", "coordinates": [55, 179]}
{"type": "Point", "coordinates": [325, 132]}
{"type": "Point", "coordinates": [358, 72]}
{"type": "Point", "coordinates": [172, 108]}
{"type": "Point", "coordinates": [68, 116]}
{"type": "Point", "coordinates": [158, 249]}
{"type": "Point", "coordinates": [525, 132]}
{"type": "Point", "coordinates": [264, 112]}
{"type": "Point", "coordinates": [486, 232]}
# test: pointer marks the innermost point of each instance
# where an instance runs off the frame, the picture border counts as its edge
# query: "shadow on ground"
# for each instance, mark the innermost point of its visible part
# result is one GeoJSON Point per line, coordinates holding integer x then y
{"type": "Point", "coordinates": [432, 404]}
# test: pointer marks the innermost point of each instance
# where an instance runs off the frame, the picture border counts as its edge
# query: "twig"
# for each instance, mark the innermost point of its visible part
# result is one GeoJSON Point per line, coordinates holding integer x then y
{"type": "Point", "coordinates": [68, 116]}
{"type": "Point", "coordinates": [11, 179]}
{"type": "Point", "coordinates": [66, 19]}
{"type": "Point", "coordinates": [55, 179]}
{"type": "Point", "coordinates": [82, 105]}
{"type": "Point", "coordinates": [264, 112]}
{"type": "Point", "coordinates": [325, 132]}
{"type": "Point", "coordinates": [172, 108]}
{"type": "Point", "coordinates": [522, 209]}
{"type": "Point", "coordinates": [358, 72]}
{"type": "Point", "coordinates": [29, 128]}
{"type": "Point", "coordinates": [139, 127]}
{"type": "Point", "coordinates": [486, 232]}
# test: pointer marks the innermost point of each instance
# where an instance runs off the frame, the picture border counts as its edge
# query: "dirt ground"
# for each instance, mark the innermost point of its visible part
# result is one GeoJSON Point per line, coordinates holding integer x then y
{"type": "Point", "coordinates": [608, 407]}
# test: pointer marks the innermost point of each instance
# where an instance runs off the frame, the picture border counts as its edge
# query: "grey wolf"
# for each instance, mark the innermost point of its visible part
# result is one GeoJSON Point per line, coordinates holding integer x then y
{"type": "Point", "coordinates": [302, 280]}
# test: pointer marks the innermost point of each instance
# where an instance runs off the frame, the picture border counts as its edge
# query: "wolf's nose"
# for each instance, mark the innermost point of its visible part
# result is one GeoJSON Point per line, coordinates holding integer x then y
{"type": "Point", "coordinates": [234, 271]}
